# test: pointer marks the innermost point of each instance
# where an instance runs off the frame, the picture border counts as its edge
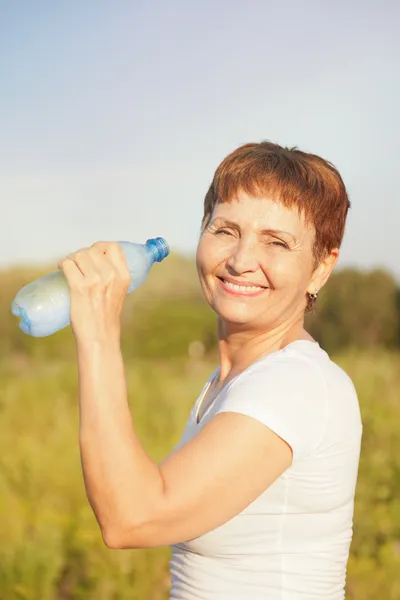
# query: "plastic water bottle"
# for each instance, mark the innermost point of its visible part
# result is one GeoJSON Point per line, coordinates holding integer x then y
{"type": "Point", "coordinates": [44, 304]}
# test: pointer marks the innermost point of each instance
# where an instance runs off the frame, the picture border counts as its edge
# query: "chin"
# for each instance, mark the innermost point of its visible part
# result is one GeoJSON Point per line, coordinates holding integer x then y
{"type": "Point", "coordinates": [234, 316]}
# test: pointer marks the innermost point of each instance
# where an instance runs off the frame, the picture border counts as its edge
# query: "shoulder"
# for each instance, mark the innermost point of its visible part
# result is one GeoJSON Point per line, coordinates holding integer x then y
{"type": "Point", "coordinates": [297, 392]}
{"type": "Point", "coordinates": [307, 362]}
{"type": "Point", "coordinates": [287, 391]}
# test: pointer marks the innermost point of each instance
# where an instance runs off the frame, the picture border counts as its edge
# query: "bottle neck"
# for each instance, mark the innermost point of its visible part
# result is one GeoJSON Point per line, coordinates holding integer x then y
{"type": "Point", "coordinates": [158, 248]}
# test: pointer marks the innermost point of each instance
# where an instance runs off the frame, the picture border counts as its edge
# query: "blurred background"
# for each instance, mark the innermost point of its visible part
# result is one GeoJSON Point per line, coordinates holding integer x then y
{"type": "Point", "coordinates": [113, 118]}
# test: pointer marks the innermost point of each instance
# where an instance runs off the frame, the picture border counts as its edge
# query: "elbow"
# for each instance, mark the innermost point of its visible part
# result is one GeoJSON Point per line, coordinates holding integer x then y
{"type": "Point", "coordinates": [111, 540]}
{"type": "Point", "coordinates": [117, 539]}
{"type": "Point", "coordinates": [143, 531]}
{"type": "Point", "coordinates": [129, 538]}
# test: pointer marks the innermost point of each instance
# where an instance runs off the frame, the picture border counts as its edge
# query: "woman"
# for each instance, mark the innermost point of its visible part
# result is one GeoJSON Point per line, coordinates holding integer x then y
{"type": "Point", "coordinates": [257, 499]}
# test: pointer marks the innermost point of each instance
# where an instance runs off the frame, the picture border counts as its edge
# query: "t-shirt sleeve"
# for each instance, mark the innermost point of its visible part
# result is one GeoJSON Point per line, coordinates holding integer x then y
{"type": "Point", "coordinates": [288, 395]}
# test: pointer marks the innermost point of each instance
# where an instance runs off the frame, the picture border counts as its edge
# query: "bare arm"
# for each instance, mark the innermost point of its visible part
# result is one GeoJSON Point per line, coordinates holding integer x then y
{"type": "Point", "coordinates": [138, 503]}
{"type": "Point", "coordinates": [121, 481]}
{"type": "Point", "coordinates": [197, 488]}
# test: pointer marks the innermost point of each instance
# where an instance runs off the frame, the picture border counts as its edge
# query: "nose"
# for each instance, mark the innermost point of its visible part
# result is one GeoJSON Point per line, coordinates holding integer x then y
{"type": "Point", "coordinates": [243, 258]}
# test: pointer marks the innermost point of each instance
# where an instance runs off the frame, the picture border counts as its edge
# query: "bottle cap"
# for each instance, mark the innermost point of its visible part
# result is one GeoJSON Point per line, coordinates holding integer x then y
{"type": "Point", "coordinates": [159, 248]}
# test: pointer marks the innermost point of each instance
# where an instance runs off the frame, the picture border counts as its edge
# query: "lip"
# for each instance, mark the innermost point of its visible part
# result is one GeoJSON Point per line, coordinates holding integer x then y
{"type": "Point", "coordinates": [228, 290]}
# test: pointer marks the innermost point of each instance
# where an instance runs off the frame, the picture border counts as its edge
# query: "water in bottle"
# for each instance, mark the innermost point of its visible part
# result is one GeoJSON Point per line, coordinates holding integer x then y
{"type": "Point", "coordinates": [44, 304]}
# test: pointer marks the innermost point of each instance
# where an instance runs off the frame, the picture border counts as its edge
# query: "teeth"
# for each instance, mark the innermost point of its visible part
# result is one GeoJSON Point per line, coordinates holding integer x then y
{"type": "Point", "coordinates": [243, 289]}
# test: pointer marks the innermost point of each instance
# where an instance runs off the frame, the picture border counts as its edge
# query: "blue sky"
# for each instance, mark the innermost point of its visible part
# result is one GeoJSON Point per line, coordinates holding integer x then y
{"type": "Point", "coordinates": [115, 114]}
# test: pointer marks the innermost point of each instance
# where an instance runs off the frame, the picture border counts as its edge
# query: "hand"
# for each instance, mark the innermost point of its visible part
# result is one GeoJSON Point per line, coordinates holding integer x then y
{"type": "Point", "coordinates": [98, 279]}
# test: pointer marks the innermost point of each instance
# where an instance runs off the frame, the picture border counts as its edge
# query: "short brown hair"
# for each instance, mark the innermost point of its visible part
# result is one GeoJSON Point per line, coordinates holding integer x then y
{"type": "Point", "coordinates": [290, 176]}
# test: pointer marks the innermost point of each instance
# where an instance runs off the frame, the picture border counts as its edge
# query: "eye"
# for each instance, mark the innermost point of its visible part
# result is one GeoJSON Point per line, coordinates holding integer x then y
{"type": "Point", "coordinates": [223, 231]}
{"type": "Point", "coordinates": [280, 243]}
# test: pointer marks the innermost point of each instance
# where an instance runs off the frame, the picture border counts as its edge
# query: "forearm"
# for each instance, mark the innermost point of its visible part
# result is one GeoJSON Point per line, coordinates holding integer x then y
{"type": "Point", "coordinates": [123, 484]}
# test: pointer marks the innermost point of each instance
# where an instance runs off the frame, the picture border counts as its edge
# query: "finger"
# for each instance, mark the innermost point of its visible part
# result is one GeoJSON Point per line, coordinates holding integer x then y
{"type": "Point", "coordinates": [72, 257]}
{"type": "Point", "coordinates": [71, 271]}
{"type": "Point", "coordinates": [84, 262]}
{"type": "Point", "coordinates": [110, 249]}
{"type": "Point", "coordinates": [115, 254]}
{"type": "Point", "coordinates": [91, 276]}
{"type": "Point", "coordinates": [104, 265]}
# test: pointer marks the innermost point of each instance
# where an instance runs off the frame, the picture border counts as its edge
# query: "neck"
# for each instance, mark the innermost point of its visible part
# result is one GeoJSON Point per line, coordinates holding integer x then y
{"type": "Point", "coordinates": [238, 347]}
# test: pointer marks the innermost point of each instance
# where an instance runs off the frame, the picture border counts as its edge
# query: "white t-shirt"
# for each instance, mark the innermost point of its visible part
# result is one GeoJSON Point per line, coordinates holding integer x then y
{"type": "Point", "coordinates": [292, 542]}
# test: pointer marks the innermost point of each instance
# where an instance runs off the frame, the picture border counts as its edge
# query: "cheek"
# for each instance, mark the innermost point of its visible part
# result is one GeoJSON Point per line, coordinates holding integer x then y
{"type": "Point", "coordinates": [287, 273]}
{"type": "Point", "coordinates": [204, 260]}
{"type": "Point", "coordinates": [208, 255]}
{"type": "Point", "coordinates": [197, 257]}
{"type": "Point", "coordinates": [201, 256]}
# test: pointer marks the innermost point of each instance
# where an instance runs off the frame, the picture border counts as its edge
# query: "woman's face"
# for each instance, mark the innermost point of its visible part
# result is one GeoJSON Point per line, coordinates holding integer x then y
{"type": "Point", "coordinates": [255, 262]}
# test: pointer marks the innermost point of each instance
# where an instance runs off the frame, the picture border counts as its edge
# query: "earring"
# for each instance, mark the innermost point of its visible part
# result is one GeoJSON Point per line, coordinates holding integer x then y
{"type": "Point", "coordinates": [314, 295]}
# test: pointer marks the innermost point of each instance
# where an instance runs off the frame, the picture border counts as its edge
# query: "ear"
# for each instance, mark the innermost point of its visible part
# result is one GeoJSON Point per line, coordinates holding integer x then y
{"type": "Point", "coordinates": [322, 272]}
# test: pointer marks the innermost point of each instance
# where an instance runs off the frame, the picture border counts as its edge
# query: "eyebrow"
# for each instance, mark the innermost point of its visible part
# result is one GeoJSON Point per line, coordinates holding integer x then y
{"type": "Point", "coordinates": [273, 232]}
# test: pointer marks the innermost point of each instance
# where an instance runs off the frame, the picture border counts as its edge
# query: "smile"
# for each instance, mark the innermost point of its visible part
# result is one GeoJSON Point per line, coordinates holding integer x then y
{"type": "Point", "coordinates": [240, 290]}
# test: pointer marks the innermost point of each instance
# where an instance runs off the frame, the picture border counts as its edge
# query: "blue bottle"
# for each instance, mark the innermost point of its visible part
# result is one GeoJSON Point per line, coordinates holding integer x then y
{"type": "Point", "coordinates": [44, 304]}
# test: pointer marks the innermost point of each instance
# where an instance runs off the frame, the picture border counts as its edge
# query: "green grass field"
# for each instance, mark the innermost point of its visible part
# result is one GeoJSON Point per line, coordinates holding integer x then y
{"type": "Point", "coordinates": [50, 544]}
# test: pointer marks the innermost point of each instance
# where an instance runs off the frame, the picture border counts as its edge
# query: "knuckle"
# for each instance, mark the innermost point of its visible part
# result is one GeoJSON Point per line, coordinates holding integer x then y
{"type": "Point", "coordinates": [79, 287]}
{"type": "Point", "coordinates": [100, 246]}
{"type": "Point", "coordinates": [89, 283]}
{"type": "Point", "coordinates": [110, 277]}
{"type": "Point", "coordinates": [95, 279]}
{"type": "Point", "coordinates": [115, 248]}
{"type": "Point", "coordinates": [63, 262]}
